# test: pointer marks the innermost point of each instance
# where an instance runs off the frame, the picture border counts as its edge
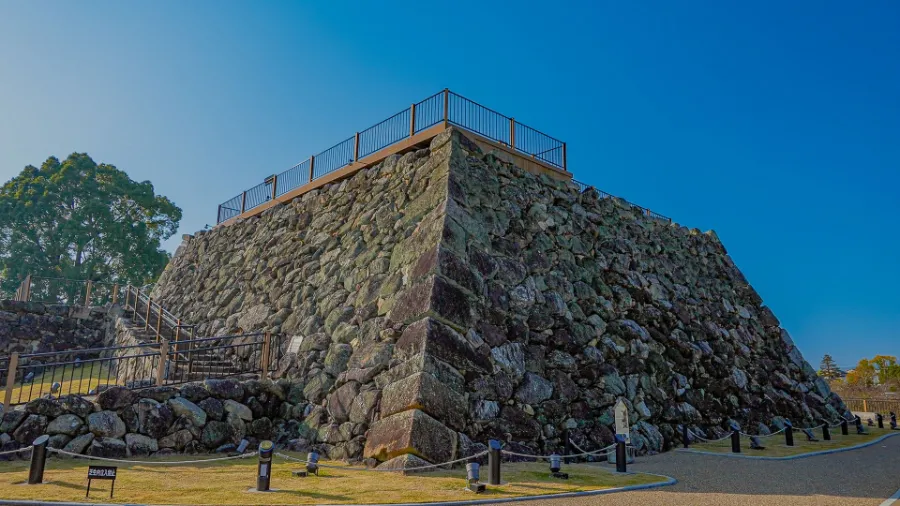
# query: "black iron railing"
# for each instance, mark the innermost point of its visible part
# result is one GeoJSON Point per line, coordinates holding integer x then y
{"type": "Point", "coordinates": [583, 187]}
{"type": "Point", "coordinates": [90, 371]}
{"type": "Point", "coordinates": [71, 292]}
{"type": "Point", "coordinates": [442, 107]}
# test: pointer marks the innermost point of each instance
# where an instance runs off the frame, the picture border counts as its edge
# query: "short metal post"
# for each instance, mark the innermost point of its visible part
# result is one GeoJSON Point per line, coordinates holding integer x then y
{"type": "Point", "coordinates": [243, 202]}
{"type": "Point", "coordinates": [312, 165]}
{"type": "Point", "coordinates": [494, 462]}
{"type": "Point", "coordinates": [264, 474]}
{"type": "Point", "coordinates": [38, 460]}
{"type": "Point", "coordinates": [621, 457]}
{"type": "Point", "coordinates": [446, 106]}
{"type": "Point", "coordinates": [826, 433]}
{"type": "Point", "coordinates": [512, 133]}
{"type": "Point", "coordinates": [412, 120]}
{"type": "Point", "coordinates": [356, 147]}
{"type": "Point", "coordinates": [685, 435]}
{"type": "Point", "coordinates": [845, 430]}
{"type": "Point", "coordinates": [274, 186]}
{"type": "Point", "coordinates": [735, 441]}
{"type": "Point", "coordinates": [880, 420]}
{"type": "Point", "coordinates": [564, 157]}
{"type": "Point", "coordinates": [788, 434]}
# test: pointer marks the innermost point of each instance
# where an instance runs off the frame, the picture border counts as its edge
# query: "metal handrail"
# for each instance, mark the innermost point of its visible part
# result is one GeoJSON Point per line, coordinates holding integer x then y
{"type": "Point", "coordinates": [583, 187]}
{"type": "Point", "coordinates": [445, 106]}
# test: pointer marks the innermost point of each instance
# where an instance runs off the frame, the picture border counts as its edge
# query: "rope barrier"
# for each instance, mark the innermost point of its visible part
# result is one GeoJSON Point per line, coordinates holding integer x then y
{"type": "Point", "coordinates": [151, 462]}
{"type": "Point", "coordinates": [547, 457]}
{"type": "Point", "coordinates": [691, 433]}
{"type": "Point", "coordinates": [767, 435]}
{"type": "Point", "coordinates": [365, 469]}
{"type": "Point", "coordinates": [585, 452]}
{"type": "Point", "coordinates": [20, 450]}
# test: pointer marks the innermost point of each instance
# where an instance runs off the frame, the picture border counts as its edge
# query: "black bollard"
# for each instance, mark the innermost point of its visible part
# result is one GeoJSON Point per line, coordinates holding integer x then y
{"type": "Point", "coordinates": [735, 441]}
{"type": "Point", "coordinates": [684, 435]}
{"type": "Point", "coordinates": [494, 462]}
{"type": "Point", "coordinates": [826, 433]}
{"type": "Point", "coordinates": [264, 474]}
{"type": "Point", "coordinates": [621, 458]}
{"type": "Point", "coordinates": [38, 460]}
{"type": "Point", "coordinates": [568, 446]}
{"type": "Point", "coordinates": [788, 434]}
{"type": "Point", "coordinates": [880, 420]}
{"type": "Point", "coordinates": [844, 428]}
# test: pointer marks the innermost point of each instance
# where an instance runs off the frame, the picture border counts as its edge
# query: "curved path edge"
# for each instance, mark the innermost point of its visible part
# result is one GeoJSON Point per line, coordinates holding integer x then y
{"type": "Point", "coordinates": [665, 483]}
{"type": "Point", "coordinates": [791, 457]}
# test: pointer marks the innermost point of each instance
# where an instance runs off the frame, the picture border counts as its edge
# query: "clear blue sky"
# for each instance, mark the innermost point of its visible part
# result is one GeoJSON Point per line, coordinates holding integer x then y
{"type": "Point", "coordinates": [775, 123]}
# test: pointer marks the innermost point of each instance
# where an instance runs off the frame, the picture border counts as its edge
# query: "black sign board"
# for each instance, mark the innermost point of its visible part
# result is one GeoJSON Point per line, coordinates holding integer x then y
{"type": "Point", "coordinates": [101, 473]}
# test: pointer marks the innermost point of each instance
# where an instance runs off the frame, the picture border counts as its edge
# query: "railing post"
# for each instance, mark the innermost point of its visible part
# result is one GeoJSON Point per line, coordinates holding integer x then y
{"type": "Point", "coordinates": [115, 295]}
{"type": "Point", "coordinates": [243, 202]}
{"type": "Point", "coordinates": [274, 185]}
{"type": "Point", "coordinates": [512, 133]}
{"type": "Point", "coordinates": [147, 319]}
{"type": "Point", "coordinates": [565, 167]}
{"type": "Point", "coordinates": [356, 147]}
{"type": "Point", "coordinates": [10, 381]}
{"type": "Point", "coordinates": [446, 106]}
{"type": "Point", "coordinates": [264, 359]}
{"type": "Point", "coordinates": [127, 298]}
{"type": "Point", "coordinates": [158, 322]}
{"type": "Point", "coordinates": [163, 357]}
{"type": "Point", "coordinates": [312, 165]}
{"type": "Point", "coordinates": [87, 294]}
{"type": "Point", "coordinates": [412, 120]}
{"type": "Point", "coordinates": [177, 333]}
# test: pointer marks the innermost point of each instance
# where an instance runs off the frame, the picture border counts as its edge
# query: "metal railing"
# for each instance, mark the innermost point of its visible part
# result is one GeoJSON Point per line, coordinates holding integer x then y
{"type": "Point", "coordinates": [71, 292]}
{"type": "Point", "coordinates": [90, 371]}
{"type": "Point", "coordinates": [155, 318]}
{"type": "Point", "coordinates": [582, 187]}
{"type": "Point", "coordinates": [443, 107]}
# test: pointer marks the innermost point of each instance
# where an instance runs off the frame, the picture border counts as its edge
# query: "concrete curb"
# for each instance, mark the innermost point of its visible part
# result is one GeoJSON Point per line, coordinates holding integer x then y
{"type": "Point", "coordinates": [792, 457]}
{"type": "Point", "coordinates": [667, 482]}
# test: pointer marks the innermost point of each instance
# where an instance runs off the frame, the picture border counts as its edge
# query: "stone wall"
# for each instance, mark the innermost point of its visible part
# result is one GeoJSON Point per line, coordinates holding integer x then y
{"type": "Point", "coordinates": [32, 327]}
{"type": "Point", "coordinates": [447, 297]}
{"type": "Point", "coordinates": [214, 416]}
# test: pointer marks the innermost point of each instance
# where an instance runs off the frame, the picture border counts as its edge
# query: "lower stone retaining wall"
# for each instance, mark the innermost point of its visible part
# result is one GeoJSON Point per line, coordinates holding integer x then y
{"type": "Point", "coordinates": [32, 327]}
{"type": "Point", "coordinates": [213, 416]}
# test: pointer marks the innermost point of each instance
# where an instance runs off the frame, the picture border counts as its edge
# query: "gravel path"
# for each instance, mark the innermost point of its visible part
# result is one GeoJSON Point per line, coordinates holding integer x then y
{"type": "Point", "coordinates": [864, 477]}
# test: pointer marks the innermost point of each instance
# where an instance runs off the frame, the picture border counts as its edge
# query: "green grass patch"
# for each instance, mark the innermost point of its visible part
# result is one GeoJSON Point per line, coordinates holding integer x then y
{"type": "Point", "coordinates": [228, 483]}
{"type": "Point", "coordinates": [75, 380]}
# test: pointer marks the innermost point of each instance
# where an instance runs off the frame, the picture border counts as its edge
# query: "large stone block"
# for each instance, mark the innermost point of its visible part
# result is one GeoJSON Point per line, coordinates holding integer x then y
{"type": "Point", "coordinates": [424, 391]}
{"type": "Point", "coordinates": [411, 432]}
{"type": "Point", "coordinates": [430, 336]}
{"type": "Point", "coordinates": [436, 296]}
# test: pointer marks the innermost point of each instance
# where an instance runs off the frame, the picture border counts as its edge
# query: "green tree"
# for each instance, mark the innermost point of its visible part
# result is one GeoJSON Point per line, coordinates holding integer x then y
{"type": "Point", "coordinates": [863, 375]}
{"type": "Point", "coordinates": [828, 369]}
{"type": "Point", "coordinates": [80, 220]}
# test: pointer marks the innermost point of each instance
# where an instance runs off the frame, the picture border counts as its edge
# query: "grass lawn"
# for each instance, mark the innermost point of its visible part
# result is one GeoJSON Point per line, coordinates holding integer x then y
{"type": "Point", "coordinates": [228, 483]}
{"type": "Point", "coordinates": [72, 380]}
{"type": "Point", "coordinates": [775, 446]}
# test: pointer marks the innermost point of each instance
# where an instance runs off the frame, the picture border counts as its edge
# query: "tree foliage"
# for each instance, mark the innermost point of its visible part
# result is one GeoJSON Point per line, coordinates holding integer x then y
{"type": "Point", "coordinates": [828, 369]}
{"type": "Point", "coordinates": [80, 220]}
{"type": "Point", "coordinates": [880, 370]}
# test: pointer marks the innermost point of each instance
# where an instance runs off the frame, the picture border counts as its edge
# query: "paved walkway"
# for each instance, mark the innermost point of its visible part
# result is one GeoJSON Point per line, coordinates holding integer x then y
{"type": "Point", "coordinates": [864, 477]}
